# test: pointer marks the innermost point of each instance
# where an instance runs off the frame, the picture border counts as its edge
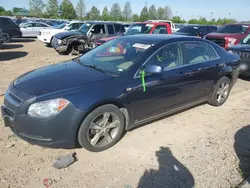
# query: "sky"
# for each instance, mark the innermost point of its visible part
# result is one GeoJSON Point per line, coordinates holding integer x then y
{"type": "Point", "coordinates": [187, 9]}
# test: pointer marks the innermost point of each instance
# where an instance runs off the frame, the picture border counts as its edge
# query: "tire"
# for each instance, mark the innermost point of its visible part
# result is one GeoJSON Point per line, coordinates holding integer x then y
{"type": "Point", "coordinates": [94, 133]}
{"type": "Point", "coordinates": [220, 92]}
{"type": "Point", "coordinates": [7, 37]}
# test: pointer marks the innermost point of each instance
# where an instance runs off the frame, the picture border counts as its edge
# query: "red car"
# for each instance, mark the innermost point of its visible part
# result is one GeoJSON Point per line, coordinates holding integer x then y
{"type": "Point", "coordinates": [142, 28]}
{"type": "Point", "coordinates": [229, 35]}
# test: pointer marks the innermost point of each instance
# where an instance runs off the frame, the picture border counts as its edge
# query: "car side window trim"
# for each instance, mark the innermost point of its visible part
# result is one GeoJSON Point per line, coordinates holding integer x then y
{"type": "Point", "coordinates": [136, 75]}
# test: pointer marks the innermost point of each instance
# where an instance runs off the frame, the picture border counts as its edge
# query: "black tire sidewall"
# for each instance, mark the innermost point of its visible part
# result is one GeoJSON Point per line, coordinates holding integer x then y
{"type": "Point", "coordinates": [213, 98]}
{"type": "Point", "coordinates": [83, 130]}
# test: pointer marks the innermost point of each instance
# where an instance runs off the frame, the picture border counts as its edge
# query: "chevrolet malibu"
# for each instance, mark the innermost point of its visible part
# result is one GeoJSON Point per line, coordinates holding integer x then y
{"type": "Point", "coordinates": [93, 99]}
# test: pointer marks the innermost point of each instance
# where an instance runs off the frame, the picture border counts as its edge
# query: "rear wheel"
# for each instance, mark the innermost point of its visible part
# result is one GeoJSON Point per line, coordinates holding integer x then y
{"type": "Point", "coordinates": [220, 92]}
{"type": "Point", "coordinates": [102, 128]}
{"type": "Point", "coordinates": [7, 37]}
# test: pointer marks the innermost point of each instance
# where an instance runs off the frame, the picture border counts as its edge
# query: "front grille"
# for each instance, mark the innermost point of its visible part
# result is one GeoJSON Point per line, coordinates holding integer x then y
{"type": "Point", "coordinates": [220, 42]}
{"type": "Point", "coordinates": [15, 98]}
{"type": "Point", "coordinates": [243, 55]}
{"type": "Point", "coordinates": [9, 112]}
{"type": "Point", "coordinates": [55, 42]}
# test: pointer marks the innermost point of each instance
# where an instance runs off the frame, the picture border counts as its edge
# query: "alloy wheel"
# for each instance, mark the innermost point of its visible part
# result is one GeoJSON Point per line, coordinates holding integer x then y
{"type": "Point", "coordinates": [223, 92]}
{"type": "Point", "coordinates": [103, 129]}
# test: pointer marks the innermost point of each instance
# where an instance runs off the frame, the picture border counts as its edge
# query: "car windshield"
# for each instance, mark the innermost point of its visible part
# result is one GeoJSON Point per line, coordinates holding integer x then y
{"type": "Point", "coordinates": [85, 27]}
{"type": "Point", "coordinates": [246, 40]}
{"type": "Point", "coordinates": [139, 28]}
{"type": "Point", "coordinates": [233, 29]}
{"type": "Point", "coordinates": [189, 29]}
{"type": "Point", "coordinates": [61, 26]}
{"type": "Point", "coordinates": [116, 56]}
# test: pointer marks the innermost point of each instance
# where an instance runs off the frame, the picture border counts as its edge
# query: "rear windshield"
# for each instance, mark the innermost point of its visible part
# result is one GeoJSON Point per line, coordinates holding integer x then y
{"type": "Point", "coordinates": [246, 40]}
{"type": "Point", "coordinates": [234, 29]}
{"type": "Point", "coordinates": [189, 29]}
{"type": "Point", "coordinates": [139, 29]}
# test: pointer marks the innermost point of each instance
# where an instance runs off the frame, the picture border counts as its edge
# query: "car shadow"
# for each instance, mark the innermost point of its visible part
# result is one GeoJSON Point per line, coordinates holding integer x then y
{"type": "Point", "coordinates": [23, 40]}
{"type": "Point", "coordinates": [246, 78]}
{"type": "Point", "coordinates": [171, 173]}
{"type": "Point", "coordinates": [8, 46]}
{"type": "Point", "coordinates": [242, 150]}
{"type": "Point", "coordinates": [6, 56]}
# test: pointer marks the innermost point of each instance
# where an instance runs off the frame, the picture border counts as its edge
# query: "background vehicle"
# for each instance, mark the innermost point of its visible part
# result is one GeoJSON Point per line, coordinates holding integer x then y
{"type": "Point", "coordinates": [9, 29]}
{"type": "Point", "coordinates": [31, 29]}
{"type": "Point", "coordinates": [92, 99]}
{"type": "Point", "coordinates": [84, 39]}
{"type": "Point", "coordinates": [196, 30]}
{"type": "Point", "coordinates": [243, 50]}
{"type": "Point", "coordinates": [46, 35]}
{"type": "Point", "coordinates": [142, 28]}
{"type": "Point", "coordinates": [229, 35]}
{"type": "Point", "coordinates": [178, 26]}
{"type": "Point", "coordinates": [172, 25]}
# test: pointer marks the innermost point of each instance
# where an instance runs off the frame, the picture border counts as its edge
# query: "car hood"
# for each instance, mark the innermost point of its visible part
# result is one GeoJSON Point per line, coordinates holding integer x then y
{"type": "Point", "coordinates": [63, 35]}
{"type": "Point", "coordinates": [240, 47]}
{"type": "Point", "coordinates": [65, 75]}
{"type": "Point", "coordinates": [222, 35]}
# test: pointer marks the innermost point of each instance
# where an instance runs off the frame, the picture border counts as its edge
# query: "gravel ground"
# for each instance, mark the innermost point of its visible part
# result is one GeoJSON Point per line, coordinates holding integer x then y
{"type": "Point", "coordinates": [202, 146]}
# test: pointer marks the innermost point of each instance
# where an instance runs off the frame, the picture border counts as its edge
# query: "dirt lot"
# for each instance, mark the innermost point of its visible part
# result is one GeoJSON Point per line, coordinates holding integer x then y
{"type": "Point", "coordinates": [202, 146]}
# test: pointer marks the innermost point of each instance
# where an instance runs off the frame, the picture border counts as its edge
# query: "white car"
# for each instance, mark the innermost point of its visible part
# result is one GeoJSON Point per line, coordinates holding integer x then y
{"type": "Point", "coordinates": [31, 29]}
{"type": "Point", "coordinates": [46, 35]}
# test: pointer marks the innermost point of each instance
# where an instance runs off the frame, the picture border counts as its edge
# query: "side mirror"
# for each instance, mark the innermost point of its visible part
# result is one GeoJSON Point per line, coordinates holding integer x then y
{"type": "Point", "coordinates": [67, 28]}
{"type": "Point", "coordinates": [153, 69]}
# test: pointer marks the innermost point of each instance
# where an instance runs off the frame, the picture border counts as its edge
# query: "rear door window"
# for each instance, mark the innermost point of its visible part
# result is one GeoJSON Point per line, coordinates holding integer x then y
{"type": "Point", "coordinates": [198, 52]}
{"type": "Point", "coordinates": [160, 29]}
{"type": "Point", "coordinates": [111, 29]}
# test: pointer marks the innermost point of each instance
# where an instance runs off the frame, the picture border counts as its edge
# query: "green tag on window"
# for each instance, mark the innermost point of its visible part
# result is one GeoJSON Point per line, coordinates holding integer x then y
{"type": "Point", "coordinates": [143, 80]}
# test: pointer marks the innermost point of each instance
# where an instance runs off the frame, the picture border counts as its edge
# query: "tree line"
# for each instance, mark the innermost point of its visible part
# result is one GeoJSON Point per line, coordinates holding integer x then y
{"type": "Point", "coordinates": [66, 10]}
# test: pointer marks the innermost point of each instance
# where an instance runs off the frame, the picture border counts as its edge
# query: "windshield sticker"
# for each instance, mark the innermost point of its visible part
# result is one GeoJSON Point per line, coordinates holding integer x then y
{"type": "Point", "coordinates": [120, 70]}
{"type": "Point", "coordinates": [246, 26]}
{"type": "Point", "coordinates": [142, 46]}
{"type": "Point", "coordinates": [195, 27]}
{"type": "Point", "coordinates": [149, 25]}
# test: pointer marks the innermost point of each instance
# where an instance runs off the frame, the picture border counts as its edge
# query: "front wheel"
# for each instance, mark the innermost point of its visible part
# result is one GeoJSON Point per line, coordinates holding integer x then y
{"type": "Point", "coordinates": [102, 128]}
{"type": "Point", "coordinates": [220, 92]}
{"type": "Point", "coordinates": [7, 37]}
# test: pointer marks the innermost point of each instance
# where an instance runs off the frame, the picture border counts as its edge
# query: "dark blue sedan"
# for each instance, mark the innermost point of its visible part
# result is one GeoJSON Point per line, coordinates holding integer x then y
{"type": "Point", "coordinates": [93, 99]}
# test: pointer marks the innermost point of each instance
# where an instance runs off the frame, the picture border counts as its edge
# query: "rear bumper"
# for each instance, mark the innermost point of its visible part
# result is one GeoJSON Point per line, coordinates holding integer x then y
{"type": "Point", "coordinates": [56, 132]}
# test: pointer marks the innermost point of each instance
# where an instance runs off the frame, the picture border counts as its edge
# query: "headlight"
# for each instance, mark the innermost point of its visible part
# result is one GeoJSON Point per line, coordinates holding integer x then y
{"type": "Point", "coordinates": [47, 109]}
{"type": "Point", "coordinates": [231, 41]}
{"type": "Point", "coordinates": [59, 42]}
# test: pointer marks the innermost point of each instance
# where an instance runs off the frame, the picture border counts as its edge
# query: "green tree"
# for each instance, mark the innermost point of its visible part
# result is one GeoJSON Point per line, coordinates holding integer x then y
{"type": "Point", "coordinates": [193, 21]}
{"type": "Point", "coordinates": [144, 14]}
{"type": "Point", "coordinates": [127, 12]}
{"type": "Point", "coordinates": [16, 9]}
{"type": "Point", "coordinates": [94, 14]}
{"type": "Point", "coordinates": [177, 19]}
{"type": "Point", "coordinates": [81, 9]}
{"type": "Point", "coordinates": [160, 13]}
{"type": "Point", "coordinates": [8, 13]}
{"type": "Point", "coordinates": [36, 8]}
{"type": "Point", "coordinates": [52, 8]}
{"type": "Point", "coordinates": [167, 13]}
{"type": "Point", "coordinates": [152, 13]}
{"type": "Point", "coordinates": [135, 18]}
{"type": "Point", "coordinates": [115, 12]}
{"type": "Point", "coordinates": [105, 14]}
{"type": "Point", "coordinates": [68, 11]}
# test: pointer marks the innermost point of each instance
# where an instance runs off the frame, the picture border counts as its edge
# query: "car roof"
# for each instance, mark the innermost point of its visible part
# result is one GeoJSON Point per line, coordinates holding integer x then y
{"type": "Point", "coordinates": [239, 24]}
{"type": "Point", "coordinates": [156, 38]}
{"type": "Point", "coordinates": [102, 22]}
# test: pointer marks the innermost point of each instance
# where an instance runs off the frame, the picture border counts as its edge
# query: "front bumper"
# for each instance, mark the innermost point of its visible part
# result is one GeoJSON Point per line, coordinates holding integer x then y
{"type": "Point", "coordinates": [56, 132]}
{"type": "Point", "coordinates": [57, 47]}
{"type": "Point", "coordinates": [44, 39]}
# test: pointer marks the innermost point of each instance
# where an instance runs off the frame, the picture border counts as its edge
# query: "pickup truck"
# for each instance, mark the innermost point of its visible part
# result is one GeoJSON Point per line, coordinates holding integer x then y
{"type": "Point", "coordinates": [229, 35]}
{"type": "Point", "coordinates": [142, 28]}
{"type": "Point", "coordinates": [83, 40]}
